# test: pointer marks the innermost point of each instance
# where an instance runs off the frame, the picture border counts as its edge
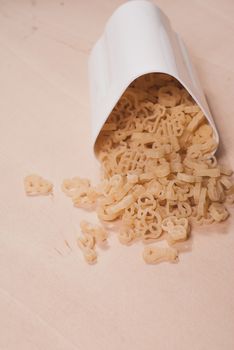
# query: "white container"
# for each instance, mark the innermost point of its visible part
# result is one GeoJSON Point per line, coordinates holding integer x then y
{"type": "Point", "coordinates": [138, 39]}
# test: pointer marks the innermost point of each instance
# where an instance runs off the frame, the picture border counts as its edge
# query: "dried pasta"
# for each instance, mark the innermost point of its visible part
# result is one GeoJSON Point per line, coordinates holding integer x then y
{"type": "Point", "coordinates": [98, 233]}
{"type": "Point", "coordinates": [154, 255]}
{"type": "Point", "coordinates": [87, 245]}
{"type": "Point", "coordinates": [35, 185]}
{"type": "Point", "coordinates": [159, 173]}
{"type": "Point", "coordinates": [80, 190]}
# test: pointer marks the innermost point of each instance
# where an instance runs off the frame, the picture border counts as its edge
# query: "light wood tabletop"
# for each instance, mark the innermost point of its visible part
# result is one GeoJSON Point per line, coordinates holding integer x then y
{"type": "Point", "coordinates": [49, 297]}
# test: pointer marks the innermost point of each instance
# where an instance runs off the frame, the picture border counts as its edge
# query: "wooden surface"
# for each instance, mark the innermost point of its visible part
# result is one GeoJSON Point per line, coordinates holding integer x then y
{"type": "Point", "coordinates": [49, 298]}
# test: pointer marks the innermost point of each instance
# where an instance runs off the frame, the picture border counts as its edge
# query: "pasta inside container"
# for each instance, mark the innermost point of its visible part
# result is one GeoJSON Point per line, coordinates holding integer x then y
{"type": "Point", "coordinates": [157, 108]}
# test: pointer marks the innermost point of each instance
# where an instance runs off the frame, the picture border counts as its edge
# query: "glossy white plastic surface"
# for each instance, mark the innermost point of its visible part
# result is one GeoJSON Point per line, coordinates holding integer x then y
{"type": "Point", "coordinates": [138, 39]}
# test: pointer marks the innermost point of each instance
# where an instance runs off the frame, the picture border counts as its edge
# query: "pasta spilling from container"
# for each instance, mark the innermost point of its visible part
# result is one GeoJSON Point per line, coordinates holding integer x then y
{"type": "Point", "coordinates": [158, 172]}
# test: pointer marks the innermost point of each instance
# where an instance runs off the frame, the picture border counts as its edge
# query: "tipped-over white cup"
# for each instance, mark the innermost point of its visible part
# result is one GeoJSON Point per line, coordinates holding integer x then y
{"type": "Point", "coordinates": [138, 39]}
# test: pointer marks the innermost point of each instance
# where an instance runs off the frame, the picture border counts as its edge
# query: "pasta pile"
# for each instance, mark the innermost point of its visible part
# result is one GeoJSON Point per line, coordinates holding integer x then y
{"type": "Point", "coordinates": [158, 171]}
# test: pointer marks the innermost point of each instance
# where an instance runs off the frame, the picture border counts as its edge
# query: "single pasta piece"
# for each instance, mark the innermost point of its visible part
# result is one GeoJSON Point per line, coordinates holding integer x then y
{"type": "Point", "coordinates": [177, 229]}
{"type": "Point", "coordinates": [170, 222]}
{"type": "Point", "coordinates": [162, 170]}
{"type": "Point", "coordinates": [202, 203]}
{"type": "Point", "coordinates": [90, 256]}
{"type": "Point", "coordinates": [169, 96]}
{"type": "Point", "coordinates": [154, 255]}
{"type": "Point", "coordinates": [87, 245]}
{"type": "Point", "coordinates": [215, 172]}
{"type": "Point", "coordinates": [225, 171]}
{"type": "Point", "coordinates": [177, 234]}
{"type": "Point", "coordinates": [191, 109]}
{"type": "Point", "coordinates": [188, 178]}
{"type": "Point", "coordinates": [96, 231]}
{"type": "Point", "coordinates": [81, 191]}
{"type": "Point", "coordinates": [71, 186]}
{"type": "Point", "coordinates": [118, 207]}
{"type": "Point", "coordinates": [226, 182]}
{"type": "Point", "coordinates": [126, 235]}
{"type": "Point", "coordinates": [196, 121]}
{"type": "Point", "coordinates": [218, 212]}
{"type": "Point", "coordinates": [86, 241]}
{"type": "Point", "coordinates": [35, 185]}
{"type": "Point", "coordinates": [109, 126]}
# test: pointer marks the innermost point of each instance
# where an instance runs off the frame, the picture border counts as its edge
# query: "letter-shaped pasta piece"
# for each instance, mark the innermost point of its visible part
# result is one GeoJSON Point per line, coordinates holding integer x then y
{"type": "Point", "coordinates": [103, 215]}
{"type": "Point", "coordinates": [146, 200]}
{"type": "Point", "coordinates": [137, 191]}
{"type": "Point", "coordinates": [202, 204]}
{"type": "Point", "coordinates": [176, 167]}
{"type": "Point", "coordinates": [152, 232]}
{"type": "Point", "coordinates": [121, 205]}
{"type": "Point", "coordinates": [162, 170]}
{"type": "Point", "coordinates": [154, 255]}
{"type": "Point", "coordinates": [227, 184]}
{"type": "Point", "coordinates": [126, 235]}
{"type": "Point", "coordinates": [86, 244]}
{"type": "Point", "coordinates": [195, 164]}
{"type": "Point", "coordinates": [184, 209]}
{"type": "Point", "coordinates": [211, 161]}
{"type": "Point", "coordinates": [213, 190]}
{"type": "Point", "coordinates": [97, 232]}
{"type": "Point", "coordinates": [146, 214]}
{"type": "Point", "coordinates": [90, 256]}
{"type": "Point", "coordinates": [35, 185]}
{"type": "Point", "coordinates": [109, 127]}
{"type": "Point", "coordinates": [122, 192]}
{"type": "Point", "coordinates": [80, 191]}
{"type": "Point", "coordinates": [218, 212]}
{"type": "Point", "coordinates": [132, 178]}
{"type": "Point", "coordinates": [168, 223]}
{"type": "Point", "coordinates": [192, 109]}
{"type": "Point", "coordinates": [169, 96]}
{"type": "Point", "coordinates": [86, 241]}
{"type": "Point", "coordinates": [202, 134]}
{"type": "Point", "coordinates": [177, 234]}
{"type": "Point", "coordinates": [215, 172]}
{"type": "Point", "coordinates": [170, 191]}
{"type": "Point", "coordinates": [142, 94]}
{"type": "Point", "coordinates": [230, 191]}
{"type": "Point", "coordinates": [144, 137]}
{"type": "Point", "coordinates": [225, 171]}
{"type": "Point", "coordinates": [71, 186]}
{"type": "Point", "coordinates": [196, 121]}
{"type": "Point", "coordinates": [155, 153]}
{"type": "Point", "coordinates": [146, 177]}
{"type": "Point", "coordinates": [230, 199]}
{"type": "Point", "coordinates": [188, 178]}
{"type": "Point", "coordinates": [197, 192]}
